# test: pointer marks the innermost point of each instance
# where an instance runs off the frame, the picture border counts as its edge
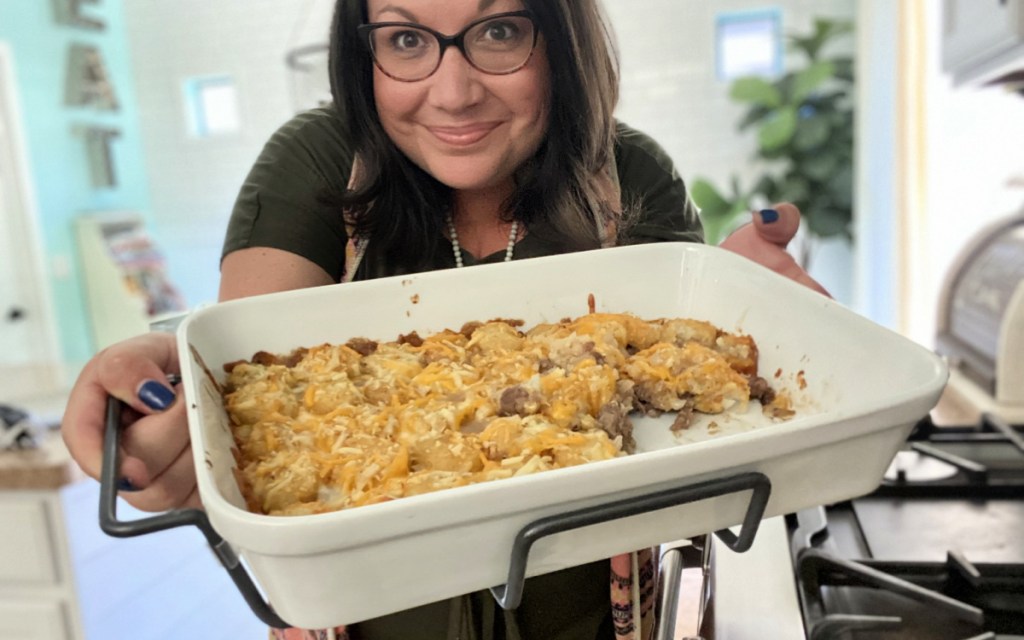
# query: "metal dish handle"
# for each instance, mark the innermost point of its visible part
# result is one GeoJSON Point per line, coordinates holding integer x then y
{"type": "Point", "coordinates": [176, 518]}
{"type": "Point", "coordinates": [510, 594]}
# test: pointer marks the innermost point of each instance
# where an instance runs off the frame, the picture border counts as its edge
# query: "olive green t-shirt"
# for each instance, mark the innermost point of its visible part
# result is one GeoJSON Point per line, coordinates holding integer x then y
{"type": "Point", "coordinates": [281, 205]}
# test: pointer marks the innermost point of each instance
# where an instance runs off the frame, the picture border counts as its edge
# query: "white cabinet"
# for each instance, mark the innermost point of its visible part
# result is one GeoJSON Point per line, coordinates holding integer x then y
{"type": "Point", "coordinates": [33, 620]}
{"type": "Point", "coordinates": [62, 578]}
{"type": "Point", "coordinates": [37, 591]}
{"type": "Point", "coordinates": [26, 556]}
{"type": "Point", "coordinates": [982, 39]}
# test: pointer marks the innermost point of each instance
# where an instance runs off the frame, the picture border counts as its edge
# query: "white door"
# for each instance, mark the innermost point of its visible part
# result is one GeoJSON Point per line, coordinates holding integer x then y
{"type": "Point", "coordinates": [28, 361]}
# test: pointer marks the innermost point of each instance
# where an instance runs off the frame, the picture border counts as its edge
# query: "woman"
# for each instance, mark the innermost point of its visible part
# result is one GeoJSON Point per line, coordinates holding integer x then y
{"type": "Point", "coordinates": [466, 131]}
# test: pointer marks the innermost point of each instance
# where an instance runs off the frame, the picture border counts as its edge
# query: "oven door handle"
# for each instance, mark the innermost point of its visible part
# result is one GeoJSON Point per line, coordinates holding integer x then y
{"type": "Point", "coordinates": [169, 520]}
{"type": "Point", "coordinates": [510, 594]}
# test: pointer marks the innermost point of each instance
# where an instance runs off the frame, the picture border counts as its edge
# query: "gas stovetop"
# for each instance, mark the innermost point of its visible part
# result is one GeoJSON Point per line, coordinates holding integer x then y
{"type": "Point", "coordinates": [983, 460]}
{"type": "Point", "coordinates": [936, 552]}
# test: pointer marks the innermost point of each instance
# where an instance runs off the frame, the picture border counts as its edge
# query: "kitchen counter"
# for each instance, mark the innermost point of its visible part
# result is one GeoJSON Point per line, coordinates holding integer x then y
{"type": "Point", "coordinates": [47, 467]}
{"type": "Point", "coordinates": [964, 402]}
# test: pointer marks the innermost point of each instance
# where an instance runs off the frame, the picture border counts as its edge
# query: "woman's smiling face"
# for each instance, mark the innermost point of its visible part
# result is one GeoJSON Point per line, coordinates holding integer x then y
{"type": "Point", "coordinates": [469, 129]}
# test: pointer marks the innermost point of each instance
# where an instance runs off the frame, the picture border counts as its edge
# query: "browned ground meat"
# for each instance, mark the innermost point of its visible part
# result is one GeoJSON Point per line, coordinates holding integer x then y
{"type": "Point", "coordinates": [760, 390]}
{"type": "Point", "coordinates": [518, 401]}
{"type": "Point", "coordinates": [683, 419]}
{"type": "Point", "coordinates": [614, 420]}
{"type": "Point", "coordinates": [362, 346]}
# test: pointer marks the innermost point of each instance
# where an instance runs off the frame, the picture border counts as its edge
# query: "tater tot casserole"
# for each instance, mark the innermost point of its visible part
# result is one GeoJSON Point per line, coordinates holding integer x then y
{"type": "Point", "coordinates": [338, 426]}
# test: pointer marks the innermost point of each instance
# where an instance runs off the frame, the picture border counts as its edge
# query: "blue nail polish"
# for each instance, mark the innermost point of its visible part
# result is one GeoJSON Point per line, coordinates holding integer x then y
{"type": "Point", "coordinates": [155, 395]}
{"type": "Point", "coordinates": [769, 216]}
{"type": "Point", "coordinates": [124, 484]}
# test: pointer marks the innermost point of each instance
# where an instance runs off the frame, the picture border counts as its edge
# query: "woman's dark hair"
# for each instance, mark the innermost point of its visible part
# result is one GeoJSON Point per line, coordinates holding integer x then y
{"type": "Point", "coordinates": [568, 185]}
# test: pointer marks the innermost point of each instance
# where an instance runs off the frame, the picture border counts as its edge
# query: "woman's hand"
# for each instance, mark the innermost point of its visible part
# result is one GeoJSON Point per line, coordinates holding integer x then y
{"type": "Point", "coordinates": [156, 459]}
{"type": "Point", "coordinates": [157, 472]}
{"type": "Point", "coordinates": [764, 241]}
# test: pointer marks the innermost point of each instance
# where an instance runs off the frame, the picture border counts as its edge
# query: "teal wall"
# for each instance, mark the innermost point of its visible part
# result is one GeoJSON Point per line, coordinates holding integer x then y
{"type": "Point", "coordinates": [58, 161]}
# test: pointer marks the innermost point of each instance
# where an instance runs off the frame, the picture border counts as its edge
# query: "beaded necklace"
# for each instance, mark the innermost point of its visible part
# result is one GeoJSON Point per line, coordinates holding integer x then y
{"type": "Point", "coordinates": [457, 250]}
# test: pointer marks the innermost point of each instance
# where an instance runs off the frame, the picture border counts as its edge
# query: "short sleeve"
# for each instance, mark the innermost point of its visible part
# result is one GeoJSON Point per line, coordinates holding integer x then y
{"type": "Point", "coordinates": [286, 200]}
{"type": "Point", "coordinates": [657, 201]}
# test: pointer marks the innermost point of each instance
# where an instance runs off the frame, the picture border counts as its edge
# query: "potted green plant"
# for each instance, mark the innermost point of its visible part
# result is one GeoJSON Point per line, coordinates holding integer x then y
{"type": "Point", "coordinates": [804, 122]}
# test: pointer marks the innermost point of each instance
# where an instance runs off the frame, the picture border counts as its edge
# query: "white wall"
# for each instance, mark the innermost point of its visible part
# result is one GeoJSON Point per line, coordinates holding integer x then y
{"type": "Point", "coordinates": [194, 182]}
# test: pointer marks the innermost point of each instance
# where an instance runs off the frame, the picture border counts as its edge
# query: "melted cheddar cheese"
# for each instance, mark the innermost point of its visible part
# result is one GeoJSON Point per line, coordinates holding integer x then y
{"type": "Point", "coordinates": [339, 426]}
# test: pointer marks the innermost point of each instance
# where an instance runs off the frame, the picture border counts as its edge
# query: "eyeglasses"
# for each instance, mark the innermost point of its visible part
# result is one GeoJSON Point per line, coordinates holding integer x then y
{"type": "Point", "coordinates": [405, 51]}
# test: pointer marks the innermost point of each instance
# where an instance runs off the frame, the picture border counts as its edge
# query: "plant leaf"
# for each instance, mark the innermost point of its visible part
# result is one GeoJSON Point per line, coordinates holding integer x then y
{"type": "Point", "coordinates": [841, 186]}
{"type": "Point", "coordinates": [754, 115]}
{"type": "Point", "coordinates": [811, 78]}
{"type": "Point", "coordinates": [767, 186]}
{"type": "Point", "coordinates": [844, 68]}
{"type": "Point", "coordinates": [828, 221]}
{"type": "Point", "coordinates": [824, 30]}
{"type": "Point", "coordinates": [823, 166]}
{"type": "Point", "coordinates": [717, 213]}
{"type": "Point", "coordinates": [755, 90]}
{"type": "Point", "coordinates": [812, 133]}
{"type": "Point", "coordinates": [778, 130]}
{"type": "Point", "coordinates": [793, 188]}
{"type": "Point", "coordinates": [837, 28]}
{"type": "Point", "coordinates": [805, 127]}
{"type": "Point", "coordinates": [707, 197]}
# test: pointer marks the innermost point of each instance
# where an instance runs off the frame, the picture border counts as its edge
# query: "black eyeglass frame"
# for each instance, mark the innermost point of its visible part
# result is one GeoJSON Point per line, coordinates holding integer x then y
{"type": "Point", "coordinates": [457, 40]}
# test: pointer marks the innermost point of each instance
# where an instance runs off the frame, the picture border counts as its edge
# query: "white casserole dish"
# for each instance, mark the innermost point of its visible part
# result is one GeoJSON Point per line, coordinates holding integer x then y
{"type": "Point", "coordinates": [858, 389]}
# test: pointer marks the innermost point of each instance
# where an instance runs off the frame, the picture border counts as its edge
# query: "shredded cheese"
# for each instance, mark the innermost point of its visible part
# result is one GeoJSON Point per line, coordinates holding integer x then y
{"type": "Point", "coordinates": [341, 427]}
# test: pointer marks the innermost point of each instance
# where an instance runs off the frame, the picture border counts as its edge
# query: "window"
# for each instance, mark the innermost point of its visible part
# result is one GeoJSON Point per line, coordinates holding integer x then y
{"type": "Point", "coordinates": [212, 104]}
{"type": "Point", "coordinates": [748, 43]}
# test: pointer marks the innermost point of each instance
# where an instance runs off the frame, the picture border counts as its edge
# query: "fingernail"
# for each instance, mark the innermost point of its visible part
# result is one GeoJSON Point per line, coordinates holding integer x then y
{"type": "Point", "coordinates": [769, 216]}
{"type": "Point", "coordinates": [155, 395]}
{"type": "Point", "coordinates": [124, 484]}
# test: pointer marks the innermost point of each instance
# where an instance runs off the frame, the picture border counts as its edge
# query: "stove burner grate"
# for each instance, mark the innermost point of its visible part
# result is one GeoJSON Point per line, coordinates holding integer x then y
{"type": "Point", "coordinates": [867, 599]}
{"type": "Point", "coordinates": [983, 460]}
